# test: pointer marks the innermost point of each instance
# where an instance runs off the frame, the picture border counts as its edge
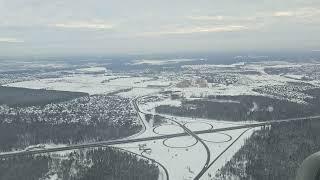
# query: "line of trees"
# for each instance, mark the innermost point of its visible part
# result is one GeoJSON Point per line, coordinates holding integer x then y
{"type": "Point", "coordinates": [21, 135]}
{"type": "Point", "coordinates": [258, 108]}
{"type": "Point", "coordinates": [93, 164]}
{"type": "Point", "coordinates": [13, 96]}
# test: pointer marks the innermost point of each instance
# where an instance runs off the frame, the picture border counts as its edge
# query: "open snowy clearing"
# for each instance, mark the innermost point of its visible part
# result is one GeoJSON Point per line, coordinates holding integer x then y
{"type": "Point", "coordinates": [180, 142]}
{"type": "Point", "coordinates": [215, 137]}
{"type": "Point", "coordinates": [91, 84]}
{"type": "Point", "coordinates": [150, 106]}
{"type": "Point", "coordinates": [168, 129]}
{"type": "Point", "coordinates": [98, 84]}
{"type": "Point", "coordinates": [137, 92]}
{"type": "Point", "coordinates": [198, 126]}
{"type": "Point", "coordinates": [94, 84]}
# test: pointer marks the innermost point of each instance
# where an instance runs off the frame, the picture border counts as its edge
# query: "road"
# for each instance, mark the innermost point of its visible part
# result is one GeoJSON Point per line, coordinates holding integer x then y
{"type": "Point", "coordinates": [187, 132]}
{"type": "Point", "coordinates": [208, 152]}
{"type": "Point", "coordinates": [206, 165]}
{"type": "Point", "coordinates": [218, 157]}
{"type": "Point", "coordinates": [144, 127]}
{"type": "Point", "coordinates": [133, 139]}
{"type": "Point", "coordinates": [124, 141]}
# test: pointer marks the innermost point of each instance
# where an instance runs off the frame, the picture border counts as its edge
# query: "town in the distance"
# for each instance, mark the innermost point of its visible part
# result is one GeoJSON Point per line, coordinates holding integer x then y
{"type": "Point", "coordinates": [158, 118]}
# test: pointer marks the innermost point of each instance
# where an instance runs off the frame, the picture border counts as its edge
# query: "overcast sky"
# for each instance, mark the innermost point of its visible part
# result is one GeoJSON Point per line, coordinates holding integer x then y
{"type": "Point", "coordinates": [153, 26]}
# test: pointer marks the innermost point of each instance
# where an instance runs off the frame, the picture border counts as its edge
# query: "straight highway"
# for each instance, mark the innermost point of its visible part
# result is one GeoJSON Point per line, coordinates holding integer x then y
{"type": "Point", "coordinates": [124, 141]}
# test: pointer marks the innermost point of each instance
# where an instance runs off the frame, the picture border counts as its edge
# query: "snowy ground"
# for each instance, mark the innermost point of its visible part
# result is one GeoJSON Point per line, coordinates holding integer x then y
{"type": "Point", "coordinates": [99, 83]}
{"type": "Point", "coordinates": [227, 155]}
{"type": "Point", "coordinates": [137, 92]}
{"type": "Point", "coordinates": [79, 83]}
{"type": "Point", "coordinates": [141, 85]}
{"type": "Point", "coordinates": [184, 157]}
{"type": "Point", "coordinates": [176, 160]}
{"type": "Point", "coordinates": [95, 84]}
{"type": "Point", "coordinates": [150, 106]}
{"type": "Point", "coordinates": [244, 86]}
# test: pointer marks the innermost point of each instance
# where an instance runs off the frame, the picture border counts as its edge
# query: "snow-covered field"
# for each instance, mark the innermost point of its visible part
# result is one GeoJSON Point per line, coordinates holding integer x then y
{"type": "Point", "coordinates": [184, 157]}
{"type": "Point", "coordinates": [97, 83]}
{"type": "Point", "coordinates": [137, 92]}
{"type": "Point", "coordinates": [79, 83]}
{"type": "Point", "coordinates": [168, 129]}
{"type": "Point", "coordinates": [244, 86]}
{"type": "Point", "coordinates": [92, 84]}
{"type": "Point", "coordinates": [149, 106]}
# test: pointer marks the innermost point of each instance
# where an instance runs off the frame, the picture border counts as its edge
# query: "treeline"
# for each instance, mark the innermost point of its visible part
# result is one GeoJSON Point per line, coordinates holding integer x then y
{"type": "Point", "coordinates": [94, 164]}
{"type": "Point", "coordinates": [13, 96]}
{"type": "Point", "coordinates": [274, 153]}
{"type": "Point", "coordinates": [243, 108]}
{"type": "Point", "coordinates": [19, 135]}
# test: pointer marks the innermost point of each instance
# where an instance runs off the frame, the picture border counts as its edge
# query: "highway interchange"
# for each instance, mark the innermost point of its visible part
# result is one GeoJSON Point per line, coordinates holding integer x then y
{"type": "Point", "coordinates": [187, 132]}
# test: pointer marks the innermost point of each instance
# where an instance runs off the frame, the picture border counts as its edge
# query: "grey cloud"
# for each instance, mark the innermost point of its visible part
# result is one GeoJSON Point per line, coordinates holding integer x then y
{"type": "Point", "coordinates": [10, 40]}
{"type": "Point", "coordinates": [122, 26]}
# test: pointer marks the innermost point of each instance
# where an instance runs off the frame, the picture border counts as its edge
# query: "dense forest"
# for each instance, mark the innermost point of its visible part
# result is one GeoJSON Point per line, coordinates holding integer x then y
{"type": "Point", "coordinates": [94, 164]}
{"type": "Point", "coordinates": [241, 108]}
{"type": "Point", "coordinates": [274, 153]}
{"type": "Point", "coordinates": [84, 119]}
{"type": "Point", "coordinates": [21, 135]}
{"type": "Point", "coordinates": [24, 167]}
{"type": "Point", "coordinates": [13, 96]}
